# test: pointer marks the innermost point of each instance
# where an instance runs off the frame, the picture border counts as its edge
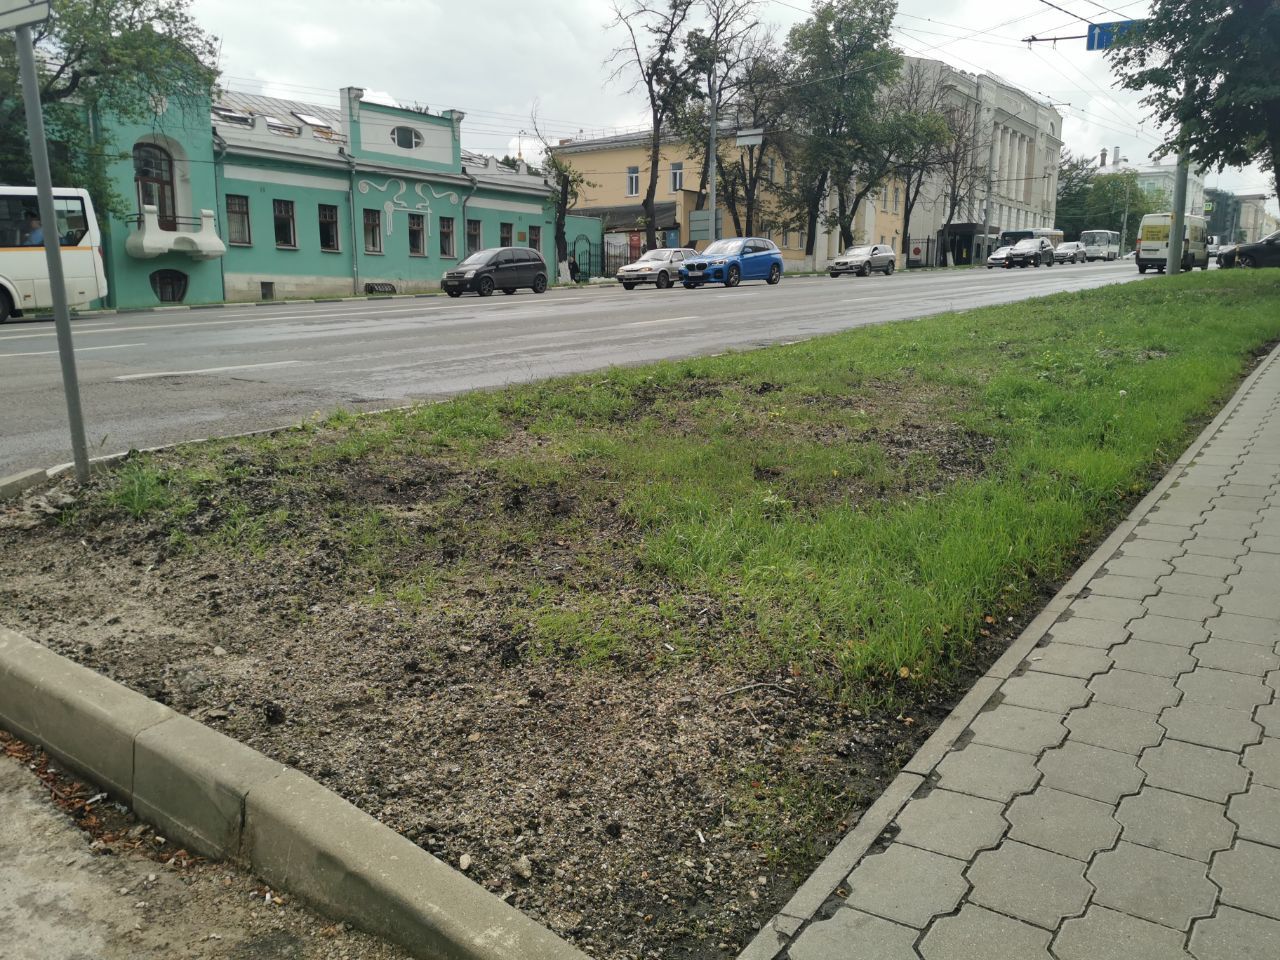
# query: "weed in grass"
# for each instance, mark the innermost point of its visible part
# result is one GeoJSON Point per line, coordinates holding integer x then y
{"type": "Point", "coordinates": [139, 489]}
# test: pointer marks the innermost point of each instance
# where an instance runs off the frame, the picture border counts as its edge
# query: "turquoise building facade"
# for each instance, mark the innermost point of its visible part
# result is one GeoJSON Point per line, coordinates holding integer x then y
{"type": "Point", "coordinates": [251, 198]}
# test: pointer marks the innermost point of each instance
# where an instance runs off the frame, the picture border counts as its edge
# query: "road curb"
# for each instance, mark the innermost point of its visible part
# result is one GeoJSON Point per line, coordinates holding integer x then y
{"type": "Point", "coordinates": [776, 936]}
{"type": "Point", "coordinates": [226, 801]}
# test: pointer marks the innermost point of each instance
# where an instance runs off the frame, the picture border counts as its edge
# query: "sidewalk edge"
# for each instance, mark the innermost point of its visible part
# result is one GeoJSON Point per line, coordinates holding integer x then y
{"type": "Point", "coordinates": [780, 931]}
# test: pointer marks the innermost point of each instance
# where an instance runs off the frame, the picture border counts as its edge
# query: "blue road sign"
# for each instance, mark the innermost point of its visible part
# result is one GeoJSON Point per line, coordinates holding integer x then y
{"type": "Point", "coordinates": [1103, 35]}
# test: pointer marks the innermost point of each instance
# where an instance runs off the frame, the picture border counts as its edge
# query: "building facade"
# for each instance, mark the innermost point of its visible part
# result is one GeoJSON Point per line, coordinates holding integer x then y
{"type": "Point", "coordinates": [1255, 221]}
{"type": "Point", "coordinates": [252, 198]}
{"type": "Point", "coordinates": [1158, 181]}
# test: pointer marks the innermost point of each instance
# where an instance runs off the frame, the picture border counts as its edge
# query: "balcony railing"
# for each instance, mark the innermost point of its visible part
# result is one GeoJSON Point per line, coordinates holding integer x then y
{"type": "Point", "coordinates": [197, 237]}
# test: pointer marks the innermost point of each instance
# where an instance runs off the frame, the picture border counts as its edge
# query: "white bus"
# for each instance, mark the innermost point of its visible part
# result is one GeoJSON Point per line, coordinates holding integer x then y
{"type": "Point", "coordinates": [1100, 244]}
{"type": "Point", "coordinates": [1009, 237]}
{"type": "Point", "coordinates": [24, 272]}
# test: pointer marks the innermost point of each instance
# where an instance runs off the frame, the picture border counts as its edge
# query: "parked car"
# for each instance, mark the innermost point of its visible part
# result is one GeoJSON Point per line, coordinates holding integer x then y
{"type": "Point", "coordinates": [499, 268]}
{"type": "Point", "coordinates": [998, 256]}
{"type": "Point", "coordinates": [1070, 252]}
{"type": "Point", "coordinates": [1030, 252]}
{"type": "Point", "coordinates": [731, 261]}
{"type": "Point", "coordinates": [1263, 253]}
{"type": "Point", "coordinates": [862, 260]}
{"type": "Point", "coordinates": [659, 267]}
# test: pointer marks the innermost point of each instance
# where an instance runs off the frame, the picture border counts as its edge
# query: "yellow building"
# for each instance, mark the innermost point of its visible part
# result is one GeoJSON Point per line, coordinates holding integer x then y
{"type": "Point", "coordinates": [617, 173]}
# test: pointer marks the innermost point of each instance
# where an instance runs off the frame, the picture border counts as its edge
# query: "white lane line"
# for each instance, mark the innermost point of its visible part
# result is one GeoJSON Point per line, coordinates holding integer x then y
{"type": "Point", "coordinates": [49, 353]}
{"type": "Point", "coordinates": [187, 373]}
{"type": "Point", "coordinates": [645, 323]}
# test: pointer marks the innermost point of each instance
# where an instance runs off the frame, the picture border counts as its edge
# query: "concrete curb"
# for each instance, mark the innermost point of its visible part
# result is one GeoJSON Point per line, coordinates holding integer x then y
{"type": "Point", "coordinates": [227, 801]}
{"type": "Point", "coordinates": [772, 941]}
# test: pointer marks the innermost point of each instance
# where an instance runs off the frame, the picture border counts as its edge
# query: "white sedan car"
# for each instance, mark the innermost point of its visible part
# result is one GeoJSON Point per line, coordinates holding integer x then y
{"type": "Point", "coordinates": [998, 256]}
{"type": "Point", "coordinates": [659, 266]}
{"type": "Point", "coordinates": [864, 260]}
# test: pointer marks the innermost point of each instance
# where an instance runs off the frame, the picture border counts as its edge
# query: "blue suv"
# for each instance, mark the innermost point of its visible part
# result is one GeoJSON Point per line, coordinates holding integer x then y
{"type": "Point", "coordinates": [731, 261]}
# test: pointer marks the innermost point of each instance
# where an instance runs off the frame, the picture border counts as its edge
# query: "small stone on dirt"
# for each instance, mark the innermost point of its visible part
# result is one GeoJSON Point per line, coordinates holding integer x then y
{"type": "Point", "coordinates": [523, 868]}
{"type": "Point", "coordinates": [464, 862]}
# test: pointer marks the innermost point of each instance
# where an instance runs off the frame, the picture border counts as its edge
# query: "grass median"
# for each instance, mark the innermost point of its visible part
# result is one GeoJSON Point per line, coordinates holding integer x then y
{"type": "Point", "coordinates": [637, 646]}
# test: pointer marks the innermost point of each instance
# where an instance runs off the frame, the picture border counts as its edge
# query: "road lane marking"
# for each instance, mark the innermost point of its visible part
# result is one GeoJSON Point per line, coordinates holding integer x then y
{"type": "Point", "coordinates": [48, 353]}
{"type": "Point", "coordinates": [189, 373]}
{"type": "Point", "coordinates": [645, 323]}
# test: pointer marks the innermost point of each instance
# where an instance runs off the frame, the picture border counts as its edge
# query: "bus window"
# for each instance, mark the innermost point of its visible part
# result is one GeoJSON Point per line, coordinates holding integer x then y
{"type": "Point", "coordinates": [72, 222]}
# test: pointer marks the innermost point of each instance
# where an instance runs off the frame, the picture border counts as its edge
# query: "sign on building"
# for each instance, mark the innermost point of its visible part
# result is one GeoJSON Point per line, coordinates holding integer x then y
{"type": "Point", "coordinates": [22, 13]}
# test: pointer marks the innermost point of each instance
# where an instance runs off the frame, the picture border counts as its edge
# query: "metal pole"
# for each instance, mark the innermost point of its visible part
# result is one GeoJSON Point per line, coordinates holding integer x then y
{"type": "Point", "coordinates": [52, 249]}
{"type": "Point", "coordinates": [711, 157]}
{"type": "Point", "coordinates": [986, 216]}
{"type": "Point", "coordinates": [1173, 263]}
{"type": "Point", "coordinates": [1124, 218]}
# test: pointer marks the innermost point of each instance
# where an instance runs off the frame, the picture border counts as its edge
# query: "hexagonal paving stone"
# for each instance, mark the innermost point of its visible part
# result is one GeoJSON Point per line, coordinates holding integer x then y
{"type": "Point", "coordinates": [1235, 935]}
{"type": "Point", "coordinates": [1180, 607]}
{"type": "Point", "coordinates": [1264, 760]}
{"type": "Point", "coordinates": [1248, 658]}
{"type": "Point", "coordinates": [1017, 728]}
{"type": "Point", "coordinates": [1155, 659]}
{"type": "Point", "coordinates": [1113, 609]}
{"type": "Point", "coordinates": [907, 885]}
{"type": "Point", "coordinates": [1222, 688]}
{"type": "Point", "coordinates": [1064, 823]}
{"type": "Point", "coordinates": [1257, 811]}
{"type": "Point", "coordinates": [1242, 629]}
{"type": "Point", "coordinates": [1090, 771]}
{"type": "Point", "coordinates": [1135, 691]}
{"type": "Point", "coordinates": [1249, 876]}
{"type": "Point", "coordinates": [1199, 771]}
{"type": "Point", "coordinates": [977, 934]}
{"type": "Point", "coordinates": [1070, 660]}
{"type": "Point", "coordinates": [1103, 934]}
{"type": "Point", "coordinates": [1171, 630]}
{"type": "Point", "coordinates": [1116, 728]}
{"type": "Point", "coordinates": [853, 933]}
{"type": "Point", "coordinates": [1045, 691]}
{"type": "Point", "coordinates": [1084, 632]}
{"type": "Point", "coordinates": [1151, 884]}
{"type": "Point", "coordinates": [1029, 883]}
{"type": "Point", "coordinates": [1210, 726]}
{"type": "Point", "coordinates": [988, 772]}
{"type": "Point", "coordinates": [954, 824]}
{"type": "Point", "coordinates": [1175, 823]}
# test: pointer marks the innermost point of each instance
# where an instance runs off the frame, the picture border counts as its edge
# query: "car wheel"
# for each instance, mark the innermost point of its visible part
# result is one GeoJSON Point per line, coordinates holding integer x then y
{"type": "Point", "coordinates": [1246, 261]}
{"type": "Point", "coordinates": [1142, 268]}
{"type": "Point", "coordinates": [663, 281]}
{"type": "Point", "coordinates": [6, 308]}
{"type": "Point", "coordinates": [835, 274]}
{"type": "Point", "coordinates": [540, 283]}
{"type": "Point", "coordinates": [628, 286]}
{"type": "Point", "coordinates": [734, 276]}
{"type": "Point", "coordinates": [689, 286]}
{"type": "Point", "coordinates": [508, 290]}
{"type": "Point", "coordinates": [775, 274]}
{"type": "Point", "coordinates": [865, 270]}
{"type": "Point", "coordinates": [888, 269]}
{"type": "Point", "coordinates": [485, 287]}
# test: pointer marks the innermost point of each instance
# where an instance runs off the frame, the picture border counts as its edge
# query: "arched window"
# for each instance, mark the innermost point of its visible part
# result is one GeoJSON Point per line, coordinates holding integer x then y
{"type": "Point", "coordinates": [153, 173]}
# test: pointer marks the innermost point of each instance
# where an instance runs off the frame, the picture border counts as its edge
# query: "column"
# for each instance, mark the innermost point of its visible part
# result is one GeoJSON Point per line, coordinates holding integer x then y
{"type": "Point", "coordinates": [1005, 157]}
{"type": "Point", "coordinates": [1020, 168]}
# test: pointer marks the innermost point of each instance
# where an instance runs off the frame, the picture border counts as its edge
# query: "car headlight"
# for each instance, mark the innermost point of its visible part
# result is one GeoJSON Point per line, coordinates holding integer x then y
{"type": "Point", "coordinates": [469, 274]}
{"type": "Point", "coordinates": [718, 263]}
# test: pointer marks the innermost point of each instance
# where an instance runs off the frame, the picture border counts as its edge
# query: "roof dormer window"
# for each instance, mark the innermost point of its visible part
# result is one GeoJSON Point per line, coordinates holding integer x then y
{"type": "Point", "coordinates": [407, 138]}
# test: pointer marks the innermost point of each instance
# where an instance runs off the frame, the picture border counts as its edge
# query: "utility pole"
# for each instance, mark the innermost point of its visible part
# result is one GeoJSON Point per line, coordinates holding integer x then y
{"type": "Point", "coordinates": [711, 154]}
{"type": "Point", "coordinates": [1124, 217]}
{"type": "Point", "coordinates": [52, 241]}
{"type": "Point", "coordinates": [991, 160]}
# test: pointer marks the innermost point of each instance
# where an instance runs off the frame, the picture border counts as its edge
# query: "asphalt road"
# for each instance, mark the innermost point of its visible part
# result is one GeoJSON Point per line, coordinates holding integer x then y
{"type": "Point", "coordinates": [149, 379]}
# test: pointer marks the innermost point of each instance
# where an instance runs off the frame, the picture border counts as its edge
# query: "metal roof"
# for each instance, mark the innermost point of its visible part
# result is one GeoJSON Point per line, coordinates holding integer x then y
{"type": "Point", "coordinates": [283, 110]}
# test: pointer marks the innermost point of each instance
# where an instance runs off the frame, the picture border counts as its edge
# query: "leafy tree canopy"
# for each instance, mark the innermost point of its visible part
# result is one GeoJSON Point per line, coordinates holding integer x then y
{"type": "Point", "coordinates": [1211, 71]}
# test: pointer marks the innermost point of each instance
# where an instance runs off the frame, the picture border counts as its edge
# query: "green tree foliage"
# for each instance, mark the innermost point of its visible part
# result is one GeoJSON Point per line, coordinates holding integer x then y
{"type": "Point", "coordinates": [841, 58]}
{"type": "Point", "coordinates": [1075, 178]}
{"type": "Point", "coordinates": [1212, 74]}
{"type": "Point", "coordinates": [122, 56]}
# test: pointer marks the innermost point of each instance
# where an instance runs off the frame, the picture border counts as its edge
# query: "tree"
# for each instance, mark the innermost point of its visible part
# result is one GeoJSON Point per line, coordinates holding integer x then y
{"type": "Point", "coordinates": [758, 103]}
{"type": "Point", "coordinates": [1075, 177]}
{"type": "Point", "coordinates": [841, 57]}
{"type": "Point", "coordinates": [122, 56]}
{"type": "Point", "coordinates": [922, 94]}
{"type": "Point", "coordinates": [1110, 196]}
{"type": "Point", "coordinates": [963, 165]}
{"type": "Point", "coordinates": [566, 183]}
{"type": "Point", "coordinates": [654, 52]}
{"type": "Point", "coordinates": [1210, 75]}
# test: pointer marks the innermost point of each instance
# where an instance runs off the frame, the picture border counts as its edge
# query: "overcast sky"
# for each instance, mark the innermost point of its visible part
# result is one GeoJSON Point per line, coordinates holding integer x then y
{"type": "Point", "coordinates": [497, 59]}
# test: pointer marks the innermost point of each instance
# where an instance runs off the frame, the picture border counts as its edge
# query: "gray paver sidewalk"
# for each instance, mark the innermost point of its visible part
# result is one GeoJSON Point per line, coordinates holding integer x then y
{"type": "Point", "coordinates": [1118, 797]}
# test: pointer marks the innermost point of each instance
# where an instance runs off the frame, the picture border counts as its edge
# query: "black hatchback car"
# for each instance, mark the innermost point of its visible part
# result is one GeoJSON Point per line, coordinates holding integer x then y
{"type": "Point", "coordinates": [499, 268]}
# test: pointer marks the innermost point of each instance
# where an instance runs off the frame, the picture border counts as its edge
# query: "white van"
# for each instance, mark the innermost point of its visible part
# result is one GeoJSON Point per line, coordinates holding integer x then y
{"type": "Point", "coordinates": [1153, 242]}
{"type": "Point", "coordinates": [24, 272]}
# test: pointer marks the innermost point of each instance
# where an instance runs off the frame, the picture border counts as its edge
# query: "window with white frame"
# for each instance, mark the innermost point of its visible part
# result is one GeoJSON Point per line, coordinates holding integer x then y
{"type": "Point", "coordinates": [373, 231]}
{"type": "Point", "coordinates": [633, 181]}
{"type": "Point", "coordinates": [677, 177]}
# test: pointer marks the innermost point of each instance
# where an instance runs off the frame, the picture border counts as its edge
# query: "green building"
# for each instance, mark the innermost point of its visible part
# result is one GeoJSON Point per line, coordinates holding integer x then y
{"type": "Point", "coordinates": [253, 198]}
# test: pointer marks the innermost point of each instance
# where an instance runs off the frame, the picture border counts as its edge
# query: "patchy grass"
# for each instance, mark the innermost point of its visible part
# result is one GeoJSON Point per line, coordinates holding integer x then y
{"type": "Point", "coordinates": [850, 509]}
